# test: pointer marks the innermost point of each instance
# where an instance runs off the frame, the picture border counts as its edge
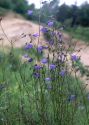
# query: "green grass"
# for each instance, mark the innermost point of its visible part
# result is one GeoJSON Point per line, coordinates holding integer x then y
{"type": "Point", "coordinates": [81, 33]}
{"type": "Point", "coordinates": [17, 81]}
{"type": "Point", "coordinates": [22, 94]}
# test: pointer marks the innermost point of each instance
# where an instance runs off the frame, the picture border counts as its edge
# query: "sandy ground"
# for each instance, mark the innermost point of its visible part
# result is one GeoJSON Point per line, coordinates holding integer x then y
{"type": "Point", "coordinates": [18, 31]}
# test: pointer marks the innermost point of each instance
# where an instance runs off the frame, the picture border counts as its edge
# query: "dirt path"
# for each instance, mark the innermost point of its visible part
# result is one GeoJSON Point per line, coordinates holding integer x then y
{"type": "Point", "coordinates": [16, 29]}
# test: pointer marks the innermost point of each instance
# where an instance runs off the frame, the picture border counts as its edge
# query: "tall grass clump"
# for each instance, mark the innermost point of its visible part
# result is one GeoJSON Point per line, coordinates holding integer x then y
{"type": "Point", "coordinates": [39, 85]}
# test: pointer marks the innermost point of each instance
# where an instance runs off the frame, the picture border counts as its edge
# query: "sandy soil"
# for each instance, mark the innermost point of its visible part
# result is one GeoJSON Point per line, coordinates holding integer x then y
{"type": "Point", "coordinates": [18, 31]}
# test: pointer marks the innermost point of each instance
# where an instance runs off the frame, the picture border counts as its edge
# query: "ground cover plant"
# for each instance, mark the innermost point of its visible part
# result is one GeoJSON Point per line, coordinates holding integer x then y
{"type": "Point", "coordinates": [37, 86]}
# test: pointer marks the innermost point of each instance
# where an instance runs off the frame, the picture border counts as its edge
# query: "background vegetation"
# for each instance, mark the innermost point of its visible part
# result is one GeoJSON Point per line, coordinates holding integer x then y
{"type": "Point", "coordinates": [74, 15]}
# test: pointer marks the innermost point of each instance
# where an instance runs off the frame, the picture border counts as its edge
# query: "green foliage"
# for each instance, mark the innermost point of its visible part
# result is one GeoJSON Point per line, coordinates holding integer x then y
{"type": "Point", "coordinates": [79, 33]}
{"type": "Point", "coordinates": [78, 14]}
{"type": "Point", "coordinates": [20, 6]}
{"type": "Point", "coordinates": [84, 15]}
{"type": "Point", "coordinates": [13, 62]}
{"type": "Point", "coordinates": [64, 12]}
{"type": "Point", "coordinates": [67, 23]}
{"type": "Point", "coordinates": [8, 4]}
{"type": "Point", "coordinates": [3, 11]}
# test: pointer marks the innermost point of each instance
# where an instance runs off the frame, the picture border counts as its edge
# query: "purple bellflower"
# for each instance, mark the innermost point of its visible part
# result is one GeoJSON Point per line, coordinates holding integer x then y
{"type": "Point", "coordinates": [28, 46]}
{"type": "Point", "coordinates": [74, 58]}
{"type": "Point", "coordinates": [50, 23]}
{"type": "Point", "coordinates": [62, 73]}
{"type": "Point", "coordinates": [48, 79]}
{"type": "Point", "coordinates": [37, 67]}
{"type": "Point", "coordinates": [44, 61]}
{"type": "Point", "coordinates": [29, 12]}
{"type": "Point", "coordinates": [52, 66]}
{"type": "Point", "coordinates": [36, 34]}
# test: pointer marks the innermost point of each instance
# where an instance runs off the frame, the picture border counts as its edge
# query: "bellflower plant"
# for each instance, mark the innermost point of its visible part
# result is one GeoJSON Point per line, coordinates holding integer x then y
{"type": "Point", "coordinates": [46, 89]}
{"type": "Point", "coordinates": [52, 66]}
{"type": "Point", "coordinates": [40, 49]}
{"type": "Point", "coordinates": [28, 46]}
{"type": "Point", "coordinates": [72, 98]}
{"type": "Point", "coordinates": [36, 75]}
{"type": "Point", "coordinates": [74, 58]}
{"type": "Point", "coordinates": [44, 61]}
{"type": "Point", "coordinates": [36, 35]}
{"type": "Point", "coordinates": [48, 79]}
{"type": "Point", "coordinates": [29, 12]}
{"type": "Point", "coordinates": [50, 23]}
{"type": "Point", "coordinates": [62, 73]}
{"type": "Point", "coordinates": [30, 60]}
{"type": "Point", "coordinates": [37, 67]}
{"type": "Point", "coordinates": [44, 30]}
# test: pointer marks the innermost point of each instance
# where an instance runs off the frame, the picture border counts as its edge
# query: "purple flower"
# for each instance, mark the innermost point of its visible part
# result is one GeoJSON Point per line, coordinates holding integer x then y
{"type": "Point", "coordinates": [59, 34]}
{"type": "Point", "coordinates": [30, 60]}
{"type": "Point", "coordinates": [40, 49]}
{"type": "Point", "coordinates": [36, 75]}
{"type": "Point", "coordinates": [45, 47]}
{"type": "Point", "coordinates": [29, 12]}
{"type": "Point", "coordinates": [28, 46]}
{"type": "Point", "coordinates": [52, 33]}
{"type": "Point", "coordinates": [44, 61]}
{"type": "Point", "coordinates": [48, 79]}
{"type": "Point", "coordinates": [50, 23]}
{"type": "Point", "coordinates": [37, 67]}
{"type": "Point", "coordinates": [26, 56]}
{"type": "Point", "coordinates": [44, 30]}
{"type": "Point", "coordinates": [51, 42]}
{"type": "Point", "coordinates": [62, 73]}
{"type": "Point", "coordinates": [74, 58]}
{"type": "Point", "coordinates": [52, 66]}
{"type": "Point", "coordinates": [36, 35]}
{"type": "Point", "coordinates": [72, 98]}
